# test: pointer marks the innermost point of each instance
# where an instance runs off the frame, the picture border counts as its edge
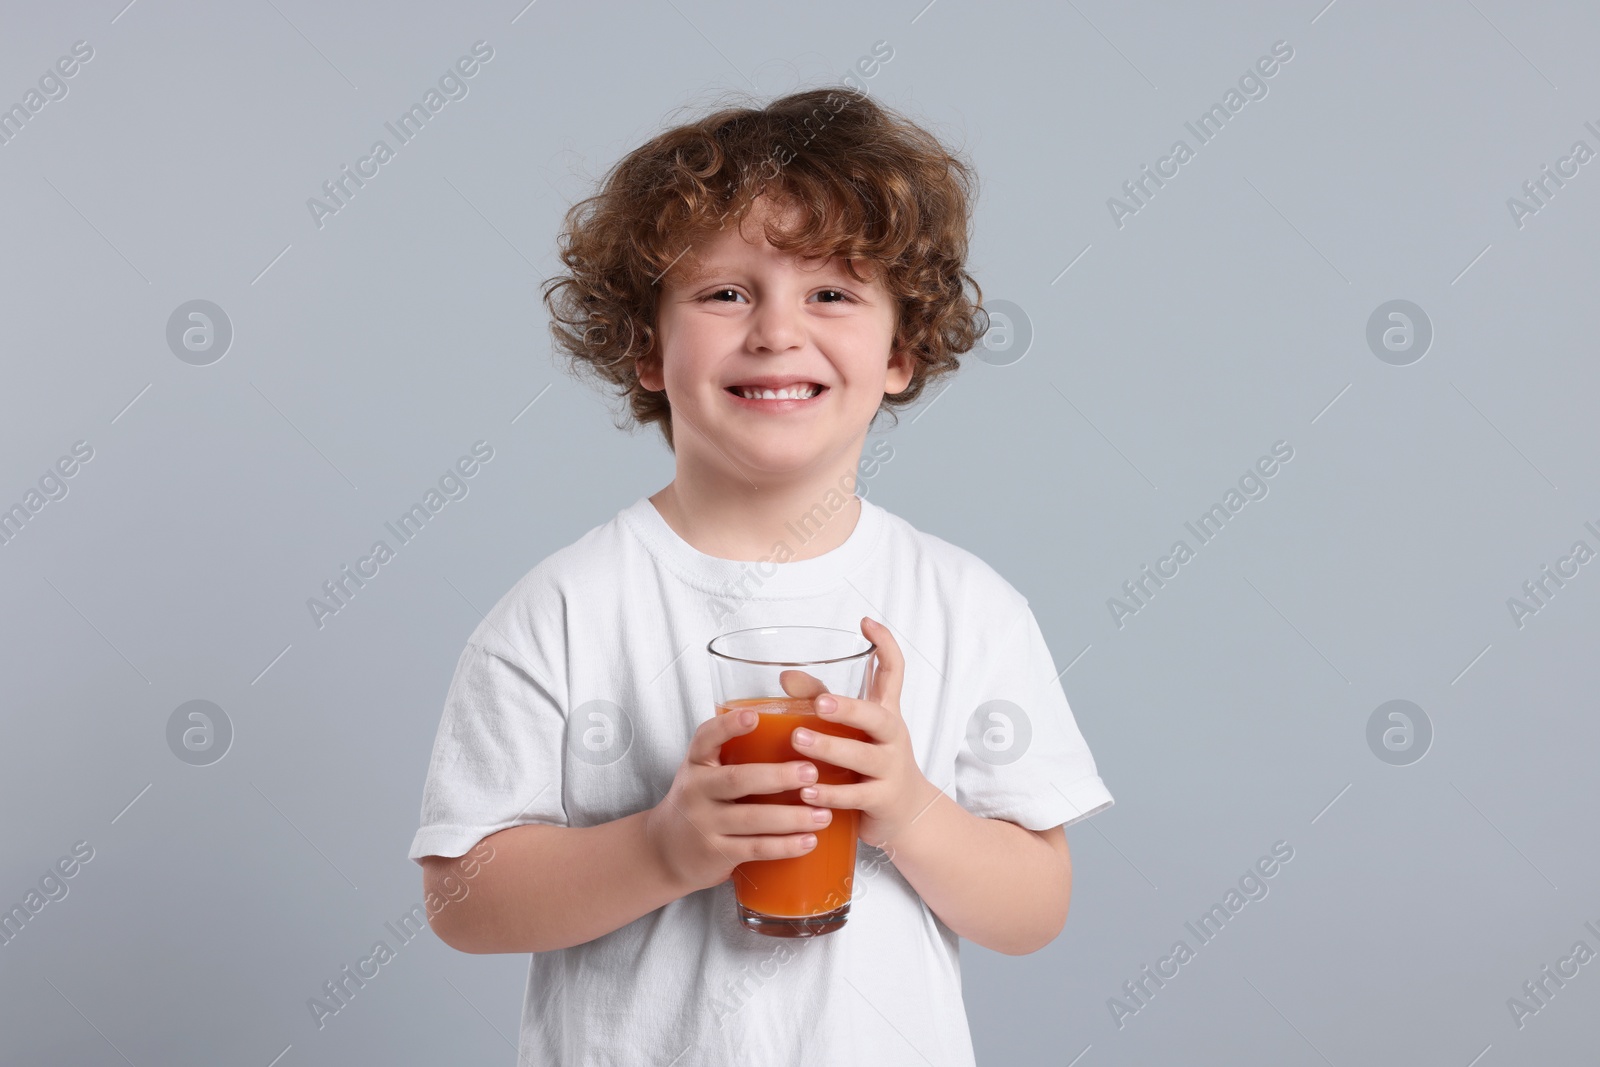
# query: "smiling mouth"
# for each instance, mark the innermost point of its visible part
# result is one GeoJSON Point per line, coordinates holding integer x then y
{"type": "Point", "coordinates": [794, 394]}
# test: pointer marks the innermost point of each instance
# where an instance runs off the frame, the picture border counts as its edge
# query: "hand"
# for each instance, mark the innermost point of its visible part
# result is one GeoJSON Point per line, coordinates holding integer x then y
{"type": "Point", "coordinates": [700, 831]}
{"type": "Point", "coordinates": [893, 790]}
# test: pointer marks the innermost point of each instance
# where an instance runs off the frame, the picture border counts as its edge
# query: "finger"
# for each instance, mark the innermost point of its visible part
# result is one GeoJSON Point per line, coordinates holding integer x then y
{"type": "Point", "coordinates": [745, 819]}
{"type": "Point", "coordinates": [859, 719]}
{"type": "Point", "coordinates": [800, 684]}
{"type": "Point", "coordinates": [749, 779]}
{"type": "Point", "coordinates": [890, 667]}
{"type": "Point", "coordinates": [705, 747]}
{"type": "Point", "coordinates": [773, 847]}
{"type": "Point", "coordinates": [852, 755]}
{"type": "Point", "coordinates": [837, 796]}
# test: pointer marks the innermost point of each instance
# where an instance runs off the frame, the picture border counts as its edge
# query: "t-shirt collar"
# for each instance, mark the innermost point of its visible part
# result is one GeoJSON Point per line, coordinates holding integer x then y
{"type": "Point", "coordinates": [765, 578]}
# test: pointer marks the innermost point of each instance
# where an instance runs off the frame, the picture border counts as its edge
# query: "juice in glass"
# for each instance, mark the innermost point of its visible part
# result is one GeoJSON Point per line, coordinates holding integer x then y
{"type": "Point", "coordinates": [816, 884]}
{"type": "Point", "coordinates": [778, 671]}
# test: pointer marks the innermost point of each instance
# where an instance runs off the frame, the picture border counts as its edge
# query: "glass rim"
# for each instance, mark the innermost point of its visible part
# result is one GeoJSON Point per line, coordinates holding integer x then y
{"type": "Point", "coordinates": [870, 649]}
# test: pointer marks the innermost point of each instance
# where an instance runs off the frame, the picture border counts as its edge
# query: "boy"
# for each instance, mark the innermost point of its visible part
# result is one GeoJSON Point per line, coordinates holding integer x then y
{"type": "Point", "coordinates": [759, 284]}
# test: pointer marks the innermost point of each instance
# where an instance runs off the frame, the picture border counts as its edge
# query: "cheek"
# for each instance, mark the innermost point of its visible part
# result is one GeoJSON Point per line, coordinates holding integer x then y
{"type": "Point", "coordinates": [686, 356]}
{"type": "Point", "coordinates": [872, 350]}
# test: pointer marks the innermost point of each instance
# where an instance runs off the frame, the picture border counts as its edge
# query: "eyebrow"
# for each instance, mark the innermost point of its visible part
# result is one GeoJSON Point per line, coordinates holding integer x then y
{"type": "Point", "coordinates": [693, 271]}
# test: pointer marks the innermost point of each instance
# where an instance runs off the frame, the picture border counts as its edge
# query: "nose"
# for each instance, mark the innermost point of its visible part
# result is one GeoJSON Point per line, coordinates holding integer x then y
{"type": "Point", "coordinates": [775, 326]}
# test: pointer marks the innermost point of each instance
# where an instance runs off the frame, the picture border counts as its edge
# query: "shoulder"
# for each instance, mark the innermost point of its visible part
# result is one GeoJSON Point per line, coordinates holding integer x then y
{"type": "Point", "coordinates": [958, 576]}
{"type": "Point", "coordinates": [529, 620]}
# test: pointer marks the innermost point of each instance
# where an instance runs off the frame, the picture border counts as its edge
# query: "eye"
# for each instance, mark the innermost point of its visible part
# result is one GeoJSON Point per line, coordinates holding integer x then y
{"type": "Point", "coordinates": [719, 294]}
{"type": "Point", "coordinates": [839, 295]}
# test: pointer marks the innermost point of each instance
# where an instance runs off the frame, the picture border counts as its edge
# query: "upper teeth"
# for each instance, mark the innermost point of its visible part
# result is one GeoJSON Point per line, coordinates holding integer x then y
{"type": "Point", "coordinates": [788, 392]}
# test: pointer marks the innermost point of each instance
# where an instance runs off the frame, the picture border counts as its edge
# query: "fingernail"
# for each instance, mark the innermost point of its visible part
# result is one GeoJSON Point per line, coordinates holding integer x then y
{"type": "Point", "coordinates": [802, 737]}
{"type": "Point", "coordinates": [826, 705]}
{"type": "Point", "coordinates": [821, 815]}
{"type": "Point", "coordinates": [808, 793]}
{"type": "Point", "coordinates": [808, 773]}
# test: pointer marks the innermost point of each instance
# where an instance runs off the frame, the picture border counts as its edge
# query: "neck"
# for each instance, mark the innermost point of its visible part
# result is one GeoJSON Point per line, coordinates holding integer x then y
{"type": "Point", "coordinates": [728, 518]}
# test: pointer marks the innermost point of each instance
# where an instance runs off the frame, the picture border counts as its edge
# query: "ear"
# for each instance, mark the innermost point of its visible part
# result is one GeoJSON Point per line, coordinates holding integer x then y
{"type": "Point", "coordinates": [648, 369]}
{"type": "Point", "coordinates": [901, 366]}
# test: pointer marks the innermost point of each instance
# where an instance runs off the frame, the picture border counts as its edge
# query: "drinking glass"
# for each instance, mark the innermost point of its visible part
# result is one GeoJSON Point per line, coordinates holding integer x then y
{"type": "Point", "coordinates": [779, 671]}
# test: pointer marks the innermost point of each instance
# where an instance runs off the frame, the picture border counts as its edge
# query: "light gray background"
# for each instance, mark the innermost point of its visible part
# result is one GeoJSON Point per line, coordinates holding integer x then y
{"type": "Point", "coordinates": [1228, 314]}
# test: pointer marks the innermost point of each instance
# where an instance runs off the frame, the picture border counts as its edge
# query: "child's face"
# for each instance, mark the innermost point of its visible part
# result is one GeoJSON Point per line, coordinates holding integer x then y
{"type": "Point", "coordinates": [735, 310]}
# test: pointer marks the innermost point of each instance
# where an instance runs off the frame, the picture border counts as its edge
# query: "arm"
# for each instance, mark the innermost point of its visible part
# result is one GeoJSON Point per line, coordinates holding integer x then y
{"type": "Point", "coordinates": [991, 881]}
{"type": "Point", "coordinates": [549, 887]}
{"type": "Point", "coordinates": [538, 887]}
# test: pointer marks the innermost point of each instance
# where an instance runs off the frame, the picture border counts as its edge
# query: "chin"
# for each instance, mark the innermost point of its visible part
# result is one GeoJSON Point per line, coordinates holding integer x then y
{"type": "Point", "coordinates": [774, 463]}
{"type": "Point", "coordinates": [772, 457]}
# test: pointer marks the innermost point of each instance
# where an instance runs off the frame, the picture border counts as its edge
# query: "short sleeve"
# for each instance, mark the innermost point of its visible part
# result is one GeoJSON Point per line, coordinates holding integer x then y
{"type": "Point", "coordinates": [1023, 758]}
{"type": "Point", "coordinates": [497, 758]}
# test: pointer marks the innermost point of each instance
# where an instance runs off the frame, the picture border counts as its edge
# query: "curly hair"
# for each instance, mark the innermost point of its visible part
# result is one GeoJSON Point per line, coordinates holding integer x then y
{"type": "Point", "coordinates": [870, 185]}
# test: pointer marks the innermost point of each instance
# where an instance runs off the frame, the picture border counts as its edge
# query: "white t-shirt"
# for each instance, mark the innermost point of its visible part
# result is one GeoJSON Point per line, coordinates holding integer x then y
{"type": "Point", "coordinates": [617, 624]}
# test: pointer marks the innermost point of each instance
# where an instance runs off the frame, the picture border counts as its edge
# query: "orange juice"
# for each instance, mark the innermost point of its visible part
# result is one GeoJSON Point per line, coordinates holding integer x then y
{"type": "Point", "coordinates": [820, 880]}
